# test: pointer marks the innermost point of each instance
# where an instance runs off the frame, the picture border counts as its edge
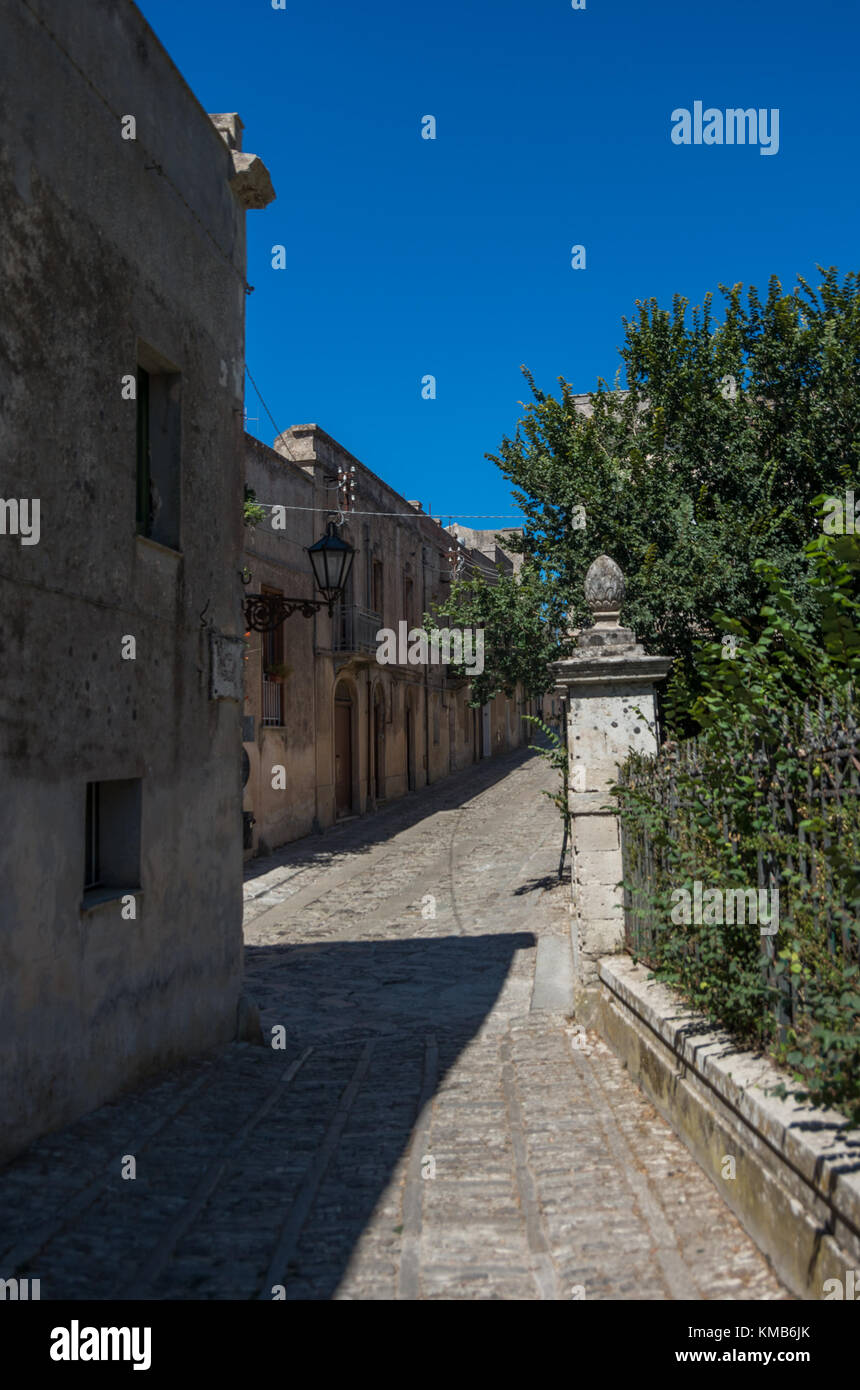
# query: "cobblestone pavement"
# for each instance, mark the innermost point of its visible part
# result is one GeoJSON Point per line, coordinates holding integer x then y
{"type": "Point", "coordinates": [422, 1134]}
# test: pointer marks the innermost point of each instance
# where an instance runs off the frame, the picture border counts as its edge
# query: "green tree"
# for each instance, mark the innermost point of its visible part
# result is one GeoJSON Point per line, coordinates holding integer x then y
{"type": "Point", "coordinates": [252, 512]}
{"type": "Point", "coordinates": [709, 461]}
{"type": "Point", "coordinates": [522, 620]}
{"type": "Point", "coordinates": [769, 783]}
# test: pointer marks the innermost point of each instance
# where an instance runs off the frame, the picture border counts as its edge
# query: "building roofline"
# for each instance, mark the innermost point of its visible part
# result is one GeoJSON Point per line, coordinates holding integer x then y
{"type": "Point", "coordinates": [183, 81]}
{"type": "Point", "coordinates": [319, 433]}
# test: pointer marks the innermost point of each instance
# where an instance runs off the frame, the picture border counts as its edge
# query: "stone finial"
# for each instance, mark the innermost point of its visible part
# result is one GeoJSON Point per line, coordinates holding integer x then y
{"type": "Point", "coordinates": [251, 182]}
{"type": "Point", "coordinates": [604, 587]}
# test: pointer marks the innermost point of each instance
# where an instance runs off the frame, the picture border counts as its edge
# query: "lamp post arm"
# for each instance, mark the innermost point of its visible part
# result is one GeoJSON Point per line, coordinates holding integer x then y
{"type": "Point", "coordinates": [265, 612]}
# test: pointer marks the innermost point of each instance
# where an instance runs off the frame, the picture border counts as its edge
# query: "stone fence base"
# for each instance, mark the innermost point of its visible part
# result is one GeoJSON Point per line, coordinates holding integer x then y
{"type": "Point", "coordinates": [791, 1174]}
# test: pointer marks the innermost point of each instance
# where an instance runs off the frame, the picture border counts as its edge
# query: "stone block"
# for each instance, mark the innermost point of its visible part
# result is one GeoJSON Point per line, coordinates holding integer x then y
{"type": "Point", "coordinates": [598, 869]}
{"type": "Point", "coordinates": [601, 936]}
{"type": "Point", "coordinates": [590, 803]}
{"type": "Point", "coordinates": [595, 834]}
{"type": "Point", "coordinates": [598, 902]}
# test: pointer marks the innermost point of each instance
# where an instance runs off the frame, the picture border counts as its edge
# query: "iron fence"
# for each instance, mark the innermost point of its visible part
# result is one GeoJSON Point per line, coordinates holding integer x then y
{"type": "Point", "coordinates": [273, 703]}
{"type": "Point", "coordinates": [780, 815]}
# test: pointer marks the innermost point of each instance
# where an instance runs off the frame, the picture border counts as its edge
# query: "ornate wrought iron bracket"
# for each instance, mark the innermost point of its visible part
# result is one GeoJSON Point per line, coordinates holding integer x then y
{"type": "Point", "coordinates": [265, 612]}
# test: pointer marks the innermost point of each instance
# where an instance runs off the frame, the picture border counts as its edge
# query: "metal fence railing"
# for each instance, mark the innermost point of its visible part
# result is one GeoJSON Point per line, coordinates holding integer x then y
{"type": "Point", "coordinates": [273, 702]}
{"type": "Point", "coordinates": [780, 817]}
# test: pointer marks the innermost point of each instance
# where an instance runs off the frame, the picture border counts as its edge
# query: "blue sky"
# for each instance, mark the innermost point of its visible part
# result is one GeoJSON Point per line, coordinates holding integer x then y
{"type": "Point", "coordinates": [451, 257]}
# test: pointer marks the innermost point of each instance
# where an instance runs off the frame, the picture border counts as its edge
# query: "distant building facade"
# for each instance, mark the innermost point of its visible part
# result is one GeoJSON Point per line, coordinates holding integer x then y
{"type": "Point", "coordinates": [122, 255]}
{"type": "Point", "coordinates": [329, 730]}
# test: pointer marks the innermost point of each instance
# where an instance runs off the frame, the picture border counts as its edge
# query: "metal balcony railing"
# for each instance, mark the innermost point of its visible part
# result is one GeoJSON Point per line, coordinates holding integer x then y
{"type": "Point", "coordinates": [354, 629]}
{"type": "Point", "coordinates": [273, 702]}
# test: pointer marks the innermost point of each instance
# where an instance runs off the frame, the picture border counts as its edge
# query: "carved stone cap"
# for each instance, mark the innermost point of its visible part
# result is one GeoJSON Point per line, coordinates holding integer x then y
{"type": "Point", "coordinates": [607, 657]}
{"type": "Point", "coordinates": [251, 182]}
{"type": "Point", "coordinates": [604, 586]}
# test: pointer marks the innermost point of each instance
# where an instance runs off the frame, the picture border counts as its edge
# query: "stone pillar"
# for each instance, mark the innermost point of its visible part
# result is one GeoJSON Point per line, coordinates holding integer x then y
{"type": "Point", "coordinates": [608, 685]}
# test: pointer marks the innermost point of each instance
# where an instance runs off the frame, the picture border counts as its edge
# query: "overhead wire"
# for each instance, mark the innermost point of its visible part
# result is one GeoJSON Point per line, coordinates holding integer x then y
{"type": "Point", "coordinates": [469, 516]}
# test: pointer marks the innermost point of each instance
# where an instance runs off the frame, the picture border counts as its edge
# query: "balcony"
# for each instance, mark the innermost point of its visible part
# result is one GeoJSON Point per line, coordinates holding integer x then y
{"type": "Point", "coordinates": [354, 629]}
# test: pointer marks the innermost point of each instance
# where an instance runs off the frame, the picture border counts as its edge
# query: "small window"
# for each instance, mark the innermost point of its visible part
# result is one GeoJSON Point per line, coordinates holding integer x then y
{"type": "Point", "coordinates": [159, 442]}
{"type": "Point", "coordinates": [112, 838]}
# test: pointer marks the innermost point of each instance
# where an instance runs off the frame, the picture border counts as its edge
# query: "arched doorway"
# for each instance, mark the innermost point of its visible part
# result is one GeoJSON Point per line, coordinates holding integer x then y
{"type": "Point", "coordinates": [342, 749]}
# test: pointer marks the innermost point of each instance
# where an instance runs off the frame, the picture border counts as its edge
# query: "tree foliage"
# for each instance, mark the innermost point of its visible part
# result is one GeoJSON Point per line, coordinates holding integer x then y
{"type": "Point", "coordinates": [522, 623]}
{"type": "Point", "coordinates": [770, 781]}
{"type": "Point", "coordinates": [707, 464]}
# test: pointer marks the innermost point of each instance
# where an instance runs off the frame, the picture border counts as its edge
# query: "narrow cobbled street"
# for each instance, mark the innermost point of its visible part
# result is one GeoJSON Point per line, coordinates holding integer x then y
{"type": "Point", "coordinates": [432, 1127]}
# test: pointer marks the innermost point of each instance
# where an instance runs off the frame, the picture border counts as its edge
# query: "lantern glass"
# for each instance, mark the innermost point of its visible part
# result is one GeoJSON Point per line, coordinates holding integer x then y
{"type": "Point", "coordinates": [331, 560]}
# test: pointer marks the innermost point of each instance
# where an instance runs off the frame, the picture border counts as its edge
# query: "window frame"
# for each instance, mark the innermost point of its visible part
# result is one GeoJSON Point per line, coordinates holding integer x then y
{"type": "Point", "coordinates": [92, 866]}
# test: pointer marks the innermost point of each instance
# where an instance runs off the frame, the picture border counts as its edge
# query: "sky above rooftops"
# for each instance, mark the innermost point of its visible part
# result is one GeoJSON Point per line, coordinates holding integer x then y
{"type": "Point", "coordinates": [408, 257]}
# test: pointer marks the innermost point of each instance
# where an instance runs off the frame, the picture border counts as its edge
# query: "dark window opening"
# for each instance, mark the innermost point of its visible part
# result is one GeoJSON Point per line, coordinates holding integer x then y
{"type": "Point", "coordinates": [159, 439]}
{"type": "Point", "coordinates": [112, 836]}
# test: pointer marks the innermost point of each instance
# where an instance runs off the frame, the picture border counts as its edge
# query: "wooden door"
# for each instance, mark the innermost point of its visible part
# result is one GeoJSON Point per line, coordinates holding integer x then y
{"type": "Point", "coordinates": [342, 757]}
{"type": "Point", "coordinates": [378, 717]}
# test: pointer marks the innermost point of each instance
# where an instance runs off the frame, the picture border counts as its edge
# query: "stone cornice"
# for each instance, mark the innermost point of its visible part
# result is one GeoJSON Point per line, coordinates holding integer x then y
{"type": "Point", "coordinates": [633, 668]}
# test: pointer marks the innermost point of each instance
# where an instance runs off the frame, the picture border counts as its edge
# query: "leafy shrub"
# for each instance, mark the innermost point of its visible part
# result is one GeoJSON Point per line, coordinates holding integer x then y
{"type": "Point", "coordinates": [766, 795]}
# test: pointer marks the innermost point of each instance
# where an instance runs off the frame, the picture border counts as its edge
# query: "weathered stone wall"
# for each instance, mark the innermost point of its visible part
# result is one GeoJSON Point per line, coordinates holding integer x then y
{"type": "Point", "coordinates": [106, 243]}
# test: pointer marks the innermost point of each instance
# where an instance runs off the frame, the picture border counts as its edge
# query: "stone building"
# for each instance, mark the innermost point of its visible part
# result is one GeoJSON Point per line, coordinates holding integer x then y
{"type": "Point", "coordinates": [329, 731]}
{"type": "Point", "coordinates": [122, 253]}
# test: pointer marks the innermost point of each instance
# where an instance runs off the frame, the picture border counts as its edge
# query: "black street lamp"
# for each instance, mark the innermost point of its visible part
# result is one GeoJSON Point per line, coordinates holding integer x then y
{"type": "Point", "coordinates": [331, 561]}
